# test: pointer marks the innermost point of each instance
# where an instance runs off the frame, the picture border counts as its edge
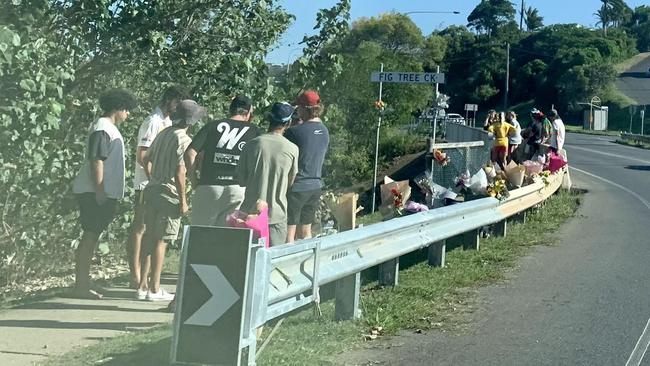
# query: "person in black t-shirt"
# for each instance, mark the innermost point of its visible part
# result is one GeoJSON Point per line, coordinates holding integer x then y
{"type": "Point", "coordinates": [312, 139]}
{"type": "Point", "coordinates": [211, 160]}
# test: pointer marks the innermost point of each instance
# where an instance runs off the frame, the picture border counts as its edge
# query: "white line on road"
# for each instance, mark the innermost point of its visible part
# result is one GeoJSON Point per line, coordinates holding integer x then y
{"type": "Point", "coordinates": [641, 347]}
{"type": "Point", "coordinates": [609, 154]}
{"type": "Point", "coordinates": [636, 195]}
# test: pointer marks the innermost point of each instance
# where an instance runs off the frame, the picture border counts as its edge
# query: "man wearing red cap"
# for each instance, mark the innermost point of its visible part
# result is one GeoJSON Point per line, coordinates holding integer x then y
{"type": "Point", "coordinates": [312, 139]}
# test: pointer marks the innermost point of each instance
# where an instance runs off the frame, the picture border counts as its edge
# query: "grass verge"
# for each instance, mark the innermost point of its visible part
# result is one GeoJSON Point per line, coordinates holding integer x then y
{"type": "Point", "coordinates": [640, 145]}
{"type": "Point", "coordinates": [426, 298]}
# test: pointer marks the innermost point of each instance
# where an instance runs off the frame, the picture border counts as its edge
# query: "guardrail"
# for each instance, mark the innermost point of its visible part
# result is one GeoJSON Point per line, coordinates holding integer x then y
{"type": "Point", "coordinates": [635, 138]}
{"type": "Point", "coordinates": [281, 279]}
{"type": "Point", "coordinates": [286, 278]}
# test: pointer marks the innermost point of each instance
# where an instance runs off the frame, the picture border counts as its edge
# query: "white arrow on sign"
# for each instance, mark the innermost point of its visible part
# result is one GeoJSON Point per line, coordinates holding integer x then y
{"type": "Point", "coordinates": [223, 296]}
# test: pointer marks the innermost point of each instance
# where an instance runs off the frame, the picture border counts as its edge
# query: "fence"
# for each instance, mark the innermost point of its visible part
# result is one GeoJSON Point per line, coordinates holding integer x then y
{"type": "Point", "coordinates": [458, 133]}
{"type": "Point", "coordinates": [462, 155]}
{"type": "Point", "coordinates": [285, 278]}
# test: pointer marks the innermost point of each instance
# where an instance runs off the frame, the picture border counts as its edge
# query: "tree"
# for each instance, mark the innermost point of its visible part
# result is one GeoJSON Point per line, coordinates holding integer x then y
{"type": "Point", "coordinates": [393, 31]}
{"type": "Point", "coordinates": [56, 57]}
{"type": "Point", "coordinates": [533, 19]}
{"type": "Point", "coordinates": [319, 56]}
{"type": "Point", "coordinates": [614, 12]}
{"type": "Point", "coordinates": [639, 25]}
{"type": "Point", "coordinates": [489, 15]}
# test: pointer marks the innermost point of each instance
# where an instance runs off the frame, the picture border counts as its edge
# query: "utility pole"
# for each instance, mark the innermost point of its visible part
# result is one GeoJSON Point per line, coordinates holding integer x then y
{"type": "Point", "coordinates": [505, 97]}
{"type": "Point", "coordinates": [521, 15]}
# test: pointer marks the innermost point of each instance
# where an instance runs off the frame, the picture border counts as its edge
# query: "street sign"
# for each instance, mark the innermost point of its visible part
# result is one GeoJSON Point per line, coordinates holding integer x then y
{"type": "Point", "coordinates": [471, 107]}
{"type": "Point", "coordinates": [210, 300]}
{"type": "Point", "coordinates": [408, 77]}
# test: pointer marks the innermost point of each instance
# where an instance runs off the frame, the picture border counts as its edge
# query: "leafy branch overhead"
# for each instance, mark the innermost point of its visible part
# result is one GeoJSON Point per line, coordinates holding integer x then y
{"type": "Point", "coordinates": [332, 25]}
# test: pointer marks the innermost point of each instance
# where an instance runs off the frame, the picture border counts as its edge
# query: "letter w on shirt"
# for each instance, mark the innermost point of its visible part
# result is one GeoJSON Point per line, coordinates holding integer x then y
{"type": "Point", "coordinates": [229, 137]}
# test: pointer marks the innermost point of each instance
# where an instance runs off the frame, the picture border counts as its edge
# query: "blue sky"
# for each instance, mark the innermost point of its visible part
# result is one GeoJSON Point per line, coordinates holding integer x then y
{"type": "Point", "coordinates": [553, 11]}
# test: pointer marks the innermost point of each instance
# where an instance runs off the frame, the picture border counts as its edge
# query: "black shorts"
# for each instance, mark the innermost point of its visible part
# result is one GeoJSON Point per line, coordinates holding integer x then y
{"type": "Point", "coordinates": [302, 207]}
{"type": "Point", "coordinates": [93, 217]}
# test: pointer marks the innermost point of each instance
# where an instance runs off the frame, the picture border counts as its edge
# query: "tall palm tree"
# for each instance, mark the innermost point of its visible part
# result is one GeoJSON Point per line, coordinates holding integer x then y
{"type": "Point", "coordinates": [604, 15]}
{"type": "Point", "coordinates": [533, 19]}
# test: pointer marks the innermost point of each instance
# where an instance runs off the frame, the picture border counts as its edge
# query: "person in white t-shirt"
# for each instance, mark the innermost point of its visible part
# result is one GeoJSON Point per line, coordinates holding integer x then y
{"type": "Point", "coordinates": [559, 132]}
{"type": "Point", "coordinates": [149, 129]}
{"type": "Point", "coordinates": [515, 140]}
{"type": "Point", "coordinates": [99, 185]}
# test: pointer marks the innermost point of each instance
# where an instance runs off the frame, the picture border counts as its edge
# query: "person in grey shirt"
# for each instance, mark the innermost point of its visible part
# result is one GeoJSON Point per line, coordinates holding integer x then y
{"type": "Point", "coordinates": [267, 167]}
{"type": "Point", "coordinates": [100, 183]}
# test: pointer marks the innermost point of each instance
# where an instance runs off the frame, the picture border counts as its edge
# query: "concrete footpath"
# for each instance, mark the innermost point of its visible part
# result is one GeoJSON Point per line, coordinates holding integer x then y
{"type": "Point", "coordinates": [30, 334]}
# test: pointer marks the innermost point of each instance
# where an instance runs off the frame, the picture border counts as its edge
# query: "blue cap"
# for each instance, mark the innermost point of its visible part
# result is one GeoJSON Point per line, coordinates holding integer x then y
{"type": "Point", "coordinates": [281, 113]}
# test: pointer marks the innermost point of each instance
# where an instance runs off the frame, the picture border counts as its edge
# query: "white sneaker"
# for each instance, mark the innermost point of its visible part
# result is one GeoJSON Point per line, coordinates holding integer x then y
{"type": "Point", "coordinates": [141, 294]}
{"type": "Point", "coordinates": [161, 295]}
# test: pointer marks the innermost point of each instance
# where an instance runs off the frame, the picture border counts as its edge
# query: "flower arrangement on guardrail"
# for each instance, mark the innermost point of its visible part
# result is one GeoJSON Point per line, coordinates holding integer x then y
{"type": "Point", "coordinates": [489, 181]}
{"type": "Point", "coordinates": [441, 158]}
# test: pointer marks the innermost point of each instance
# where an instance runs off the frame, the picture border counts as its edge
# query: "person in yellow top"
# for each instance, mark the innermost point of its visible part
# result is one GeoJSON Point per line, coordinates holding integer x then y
{"type": "Point", "coordinates": [502, 131]}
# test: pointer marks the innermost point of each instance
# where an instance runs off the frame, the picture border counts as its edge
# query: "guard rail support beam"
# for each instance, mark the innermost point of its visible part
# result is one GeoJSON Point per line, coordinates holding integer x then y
{"type": "Point", "coordinates": [347, 298]}
{"type": "Point", "coordinates": [472, 239]}
{"type": "Point", "coordinates": [389, 272]}
{"type": "Point", "coordinates": [436, 253]}
{"type": "Point", "coordinates": [520, 217]}
{"type": "Point", "coordinates": [501, 228]}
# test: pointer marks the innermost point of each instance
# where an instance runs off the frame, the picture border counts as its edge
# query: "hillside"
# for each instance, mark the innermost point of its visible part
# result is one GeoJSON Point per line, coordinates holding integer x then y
{"type": "Point", "coordinates": [633, 80]}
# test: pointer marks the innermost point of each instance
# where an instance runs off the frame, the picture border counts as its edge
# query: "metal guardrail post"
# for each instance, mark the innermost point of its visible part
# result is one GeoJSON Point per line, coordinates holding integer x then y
{"type": "Point", "coordinates": [520, 217]}
{"type": "Point", "coordinates": [501, 228]}
{"type": "Point", "coordinates": [472, 239]}
{"type": "Point", "coordinates": [347, 298]}
{"type": "Point", "coordinates": [436, 253]}
{"type": "Point", "coordinates": [389, 272]}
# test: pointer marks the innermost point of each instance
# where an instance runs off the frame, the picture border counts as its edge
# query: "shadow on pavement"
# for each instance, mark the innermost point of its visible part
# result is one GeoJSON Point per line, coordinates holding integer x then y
{"type": "Point", "coordinates": [54, 324]}
{"type": "Point", "coordinates": [638, 167]}
{"type": "Point", "coordinates": [66, 306]}
{"type": "Point", "coordinates": [632, 74]}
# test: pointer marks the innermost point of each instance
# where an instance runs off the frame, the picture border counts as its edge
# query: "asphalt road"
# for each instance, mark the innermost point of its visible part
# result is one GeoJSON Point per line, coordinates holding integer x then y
{"type": "Point", "coordinates": [635, 82]}
{"type": "Point", "coordinates": [585, 301]}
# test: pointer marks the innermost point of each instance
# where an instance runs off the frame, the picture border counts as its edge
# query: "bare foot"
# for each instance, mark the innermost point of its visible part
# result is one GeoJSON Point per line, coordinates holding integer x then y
{"type": "Point", "coordinates": [86, 294]}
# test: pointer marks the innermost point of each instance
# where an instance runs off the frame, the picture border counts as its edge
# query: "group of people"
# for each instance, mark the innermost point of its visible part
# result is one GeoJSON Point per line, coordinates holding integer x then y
{"type": "Point", "coordinates": [509, 136]}
{"type": "Point", "coordinates": [231, 165]}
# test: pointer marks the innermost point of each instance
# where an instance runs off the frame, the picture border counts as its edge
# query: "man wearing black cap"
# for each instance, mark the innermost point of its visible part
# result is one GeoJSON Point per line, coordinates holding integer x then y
{"type": "Point", "coordinates": [267, 168]}
{"type": "Point", "coordinates": [165, 200]}
{"type": "Point", "coordinates": [211, 160]}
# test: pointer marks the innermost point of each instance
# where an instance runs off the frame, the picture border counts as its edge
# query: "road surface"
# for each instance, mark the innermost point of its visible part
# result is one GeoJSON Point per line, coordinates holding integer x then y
{"type": "Point", "coordinates": [585, 301]}
{"type": "Point", "coordinates": [635, 82]}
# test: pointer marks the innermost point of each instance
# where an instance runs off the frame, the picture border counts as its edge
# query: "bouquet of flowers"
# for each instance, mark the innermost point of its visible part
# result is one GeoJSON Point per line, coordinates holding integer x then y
{"type": "Point", "coordinates": [380, 105]}
{"type": "Point", "coordinates": [498, 189]}
{"type": "Point", "coordinates": [441, 158]}
{"type": "Point", "coordinates": [398, 201]}
{"type": "Point", "coordinates": [544, 175]}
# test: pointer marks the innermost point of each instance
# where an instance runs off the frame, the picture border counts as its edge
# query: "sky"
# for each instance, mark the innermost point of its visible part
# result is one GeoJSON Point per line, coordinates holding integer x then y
{"type": "Point", "coordinates": [553, 11]}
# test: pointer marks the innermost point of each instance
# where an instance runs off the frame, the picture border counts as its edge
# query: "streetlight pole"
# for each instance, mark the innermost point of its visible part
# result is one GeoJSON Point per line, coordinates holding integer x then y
{"type": "Point", "coordinates": [431, 12]}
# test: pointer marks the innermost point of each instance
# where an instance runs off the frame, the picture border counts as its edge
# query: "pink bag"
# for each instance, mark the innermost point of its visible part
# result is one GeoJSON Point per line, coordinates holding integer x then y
{"type": "Point", "coordinates": [556, 162]}
{"type": "Point", "coordinates": [258, 223]}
